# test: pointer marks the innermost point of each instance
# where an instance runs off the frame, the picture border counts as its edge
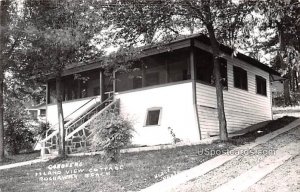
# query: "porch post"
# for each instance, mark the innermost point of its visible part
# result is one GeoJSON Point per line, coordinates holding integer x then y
{"type": "Point", "coordinates": [192, 62]}
{"type": "Point", "coordinates": [143, 75]}
{"type": "Point", "coordinates": [193, 78]}
{"type": "Point", "coordinates": [101, 85]}
{"type": "Point", "coordinates": [47, 100]}
{"type": "Point", "coordinates": [114, 81]}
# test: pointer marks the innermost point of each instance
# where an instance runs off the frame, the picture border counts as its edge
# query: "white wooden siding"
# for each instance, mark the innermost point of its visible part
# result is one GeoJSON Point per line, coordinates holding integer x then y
{"type": "Point", "coordinates": [242, 108]}
{"type": "Point", "coordinates": [177, 112]}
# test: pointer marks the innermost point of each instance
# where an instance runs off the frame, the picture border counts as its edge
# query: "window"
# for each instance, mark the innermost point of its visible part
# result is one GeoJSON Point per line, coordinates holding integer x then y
{"type": "Point", "coordinates": [261, 85]}
{"type": "Point", "coordinates": [240, 78]}
{"type": "Point", "coordinates": [137, 82]}
{"type": "Point", "coordinates": [42, 112]}
{"type": "Point", "coordinates": [172, 66]}
{"type": "Point", "coordinates": [96, 90]}
{"type": "Point", "coordinates": [152, 79]}
{"type": "Point", "coordinates": [33, 114]}
{"type": "Point", "coordinates": [205, 68]}
{"type": "Point", "coordinates": [129, 79]}
{"type": "Point", "coordinates": [178, 65]}
{"type": "Point", "coordinates": [153, 116]}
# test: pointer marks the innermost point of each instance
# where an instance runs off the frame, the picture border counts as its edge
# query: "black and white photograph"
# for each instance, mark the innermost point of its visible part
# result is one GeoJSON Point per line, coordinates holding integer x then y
{"type": "Point", "coordinates": [149, 95]}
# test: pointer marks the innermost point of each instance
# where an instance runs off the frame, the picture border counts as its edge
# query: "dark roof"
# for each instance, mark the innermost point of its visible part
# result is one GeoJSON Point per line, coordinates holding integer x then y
{"type": "Point", "coordinates": [150, 48]}
{"type": "Point", "coordinates": [204, 39]}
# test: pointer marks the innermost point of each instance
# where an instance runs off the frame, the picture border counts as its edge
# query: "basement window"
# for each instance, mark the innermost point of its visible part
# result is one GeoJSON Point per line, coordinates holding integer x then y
{"type": "Point", "coordinates": [261, 85]}
{"type": "Point", "coordinates": [153, 116]}
{"type": "Point", "coordinates": [240, 78]}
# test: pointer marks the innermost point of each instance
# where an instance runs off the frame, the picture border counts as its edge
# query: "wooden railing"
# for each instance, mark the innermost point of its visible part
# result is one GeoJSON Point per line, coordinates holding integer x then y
{"type": "Point", "coordinates": [50, 142]}
{"type": "Point", "coordinates": [76, 128]}
{"type": "Point", "coordinates": [77, 140]}
{"type": "Point", "coordinates": [87, 115]}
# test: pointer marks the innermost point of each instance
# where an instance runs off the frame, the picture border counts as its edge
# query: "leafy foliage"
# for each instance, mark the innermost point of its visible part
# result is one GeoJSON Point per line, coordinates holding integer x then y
{"type": "Point", "coordinates": [41, 129]}
{"type": "Point", "coordinates": [175, 139]}
{"type": "Point", "coordinates": [59, 35]}
{"type": "Point", "coordinates": [18, 135]}
{"type": "Point", "coordinates": [110, 133]}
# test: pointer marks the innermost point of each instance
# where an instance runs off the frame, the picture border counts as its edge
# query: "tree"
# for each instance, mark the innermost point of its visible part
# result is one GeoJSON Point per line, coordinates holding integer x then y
{"type": "Point", "coordinates": [9, 40]}
{"type": "Point", "coordinates": [3, 39]}
{"type": "Point", "coordinates": [143, 22]}
{"type": "Point", "coordinates": [59, 34]}
{"type": "Point", "coordinates": [282, 19]}
{"type": "Point", "coordinates": [18, 131]}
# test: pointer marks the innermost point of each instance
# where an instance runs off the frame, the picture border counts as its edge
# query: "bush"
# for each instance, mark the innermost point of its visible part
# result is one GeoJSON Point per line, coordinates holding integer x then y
{"type": "Point", "coordinates": [18, 136]}
{"type": "Point", "coordinates": [17, 133]}
{"type": "Point", "coordinates": [18, 139]}
{"type": "Point", "coordinates": [110, 132]}
{"type": "Point", "coordinates": [42, 129]}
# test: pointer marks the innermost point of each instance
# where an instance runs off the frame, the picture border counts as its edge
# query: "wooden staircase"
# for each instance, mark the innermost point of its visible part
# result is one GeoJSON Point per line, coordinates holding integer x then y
{"type": "Point", "coordinates": [77, 129]}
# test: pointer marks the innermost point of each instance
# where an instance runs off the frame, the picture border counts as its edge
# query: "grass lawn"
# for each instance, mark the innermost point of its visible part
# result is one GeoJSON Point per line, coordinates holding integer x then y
{"type": "Point", "coordinates": [20, 157]}
{"type": "Point", "coordinates": [270, 127]}
{"type": "Point", "coordinates": [135, 171]}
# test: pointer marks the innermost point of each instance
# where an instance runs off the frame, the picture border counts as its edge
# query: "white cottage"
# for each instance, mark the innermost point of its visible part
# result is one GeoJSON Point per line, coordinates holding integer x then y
{"type": "Point", "coordinates": [171, 87]}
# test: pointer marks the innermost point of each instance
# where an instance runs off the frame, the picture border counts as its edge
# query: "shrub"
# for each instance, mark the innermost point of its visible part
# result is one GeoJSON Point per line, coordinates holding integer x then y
{"type": "Point", "coordinates": [110, 132]}
{"type": "Point", "coordinates": [18, 135]}
{"type": "Point", "coordinates": [174, 138]}
{"type": "Point", "coordinates": [42, 129]}
{"type": "Point", "coordinates": [18, 139]}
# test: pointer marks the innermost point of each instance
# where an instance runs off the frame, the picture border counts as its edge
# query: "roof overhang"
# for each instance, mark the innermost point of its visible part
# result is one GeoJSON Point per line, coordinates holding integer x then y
{"type": "Point", "coordinates": [183, 42]}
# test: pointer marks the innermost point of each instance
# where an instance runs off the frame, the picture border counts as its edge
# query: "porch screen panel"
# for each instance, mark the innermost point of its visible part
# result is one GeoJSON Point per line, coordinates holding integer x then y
{"type": "Point", "coordinates": [178, 65]}
{"type": "Point", "coordinates": [51, 91]}
{"type": "Point", "coordinates": [155, 70]}
{"type": "Point", "coordinates": [129, 79]}
{"type": "Point", "coordinates": [205, 68]}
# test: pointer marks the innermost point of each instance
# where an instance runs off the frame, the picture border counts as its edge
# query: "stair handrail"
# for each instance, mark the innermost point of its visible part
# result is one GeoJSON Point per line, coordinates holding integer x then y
{"type": "Point", "coordinates": [81, 106]}
{"type": "Point", "coordinates": [53, 127]}
{"type": "Point", "coordinates": [56, 131]}
{"type": "Point", "coordinates": [92, 118]}
{"type": "Point", "coordinates": [50, 136]}
{"type": "Point", "coordinates": [83, 112]}
{"type": "Point", "coordinates": [90, 110]}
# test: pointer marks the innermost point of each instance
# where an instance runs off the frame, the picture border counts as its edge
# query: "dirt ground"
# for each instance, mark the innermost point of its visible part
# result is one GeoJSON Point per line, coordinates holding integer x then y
{"type": "Point", "coordinates": [284, 178]}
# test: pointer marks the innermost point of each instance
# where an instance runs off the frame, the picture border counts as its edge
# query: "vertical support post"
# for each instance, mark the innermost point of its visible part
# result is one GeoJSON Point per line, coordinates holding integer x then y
{"type": "Point", "coordinates": [101, 85]}
{"type": "Point", "coordinates": [271, 94]}
{"type": "Point", "coordinates": [114, 81]}
{"type": "Point", "coordinates": [192, 61]}
{"type": "Point", "coordinates": [43, 150]}
{"type": "Point", "coordinates": [167, 70]}
{"type": "Point", "coordinates": [143, 75]}
{"type": "Point", "coordinates": [193, 78]}
{"type": "Point", "coordinates": [47, 100]}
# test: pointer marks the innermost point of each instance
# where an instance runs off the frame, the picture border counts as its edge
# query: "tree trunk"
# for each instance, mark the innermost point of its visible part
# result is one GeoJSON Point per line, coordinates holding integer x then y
{"type": "Point", "coordinates": [61, 136]}
{"type": "Point", "coordinates": [296, 80]}
{"type": "Point", "coordinates": [219, 85]}
{"type": "Point", "coordinates": [286, 92]}
{"type": "Point", "coordinates": [1, 118]}
{"type": "Point", "coordinates": [4, 15]}
{"type": "Point", "coordinates": [286, 87]}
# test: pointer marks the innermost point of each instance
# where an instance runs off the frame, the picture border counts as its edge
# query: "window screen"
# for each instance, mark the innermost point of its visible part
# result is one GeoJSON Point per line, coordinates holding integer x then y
{"type": "Point", "coordinates": [261, 85]}
{"type": "Point", "coordinates": [153, 117]}
{"type": "Point", "coordinates": [205, 68]}
{"type": "Point", "coordinates": [240, 78]}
